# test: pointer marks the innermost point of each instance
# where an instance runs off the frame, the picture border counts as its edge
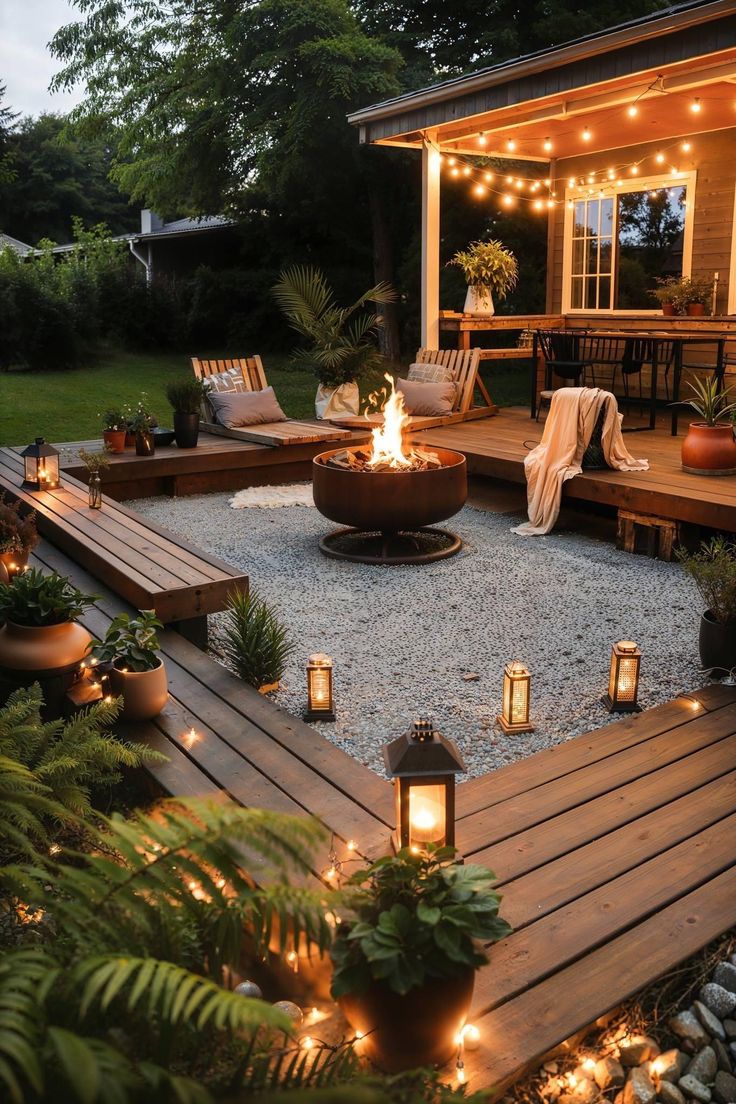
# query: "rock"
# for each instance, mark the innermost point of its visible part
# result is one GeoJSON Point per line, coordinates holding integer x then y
{"type": "Point", "coordinates": [704, 1065]}
{"type": "Point", "coordinates": [725, 976]}
{"type": "Point", "coordinates": [670, 1094]}
{"type": "Point", "coordinates": [670, 1065]}
{"type": "Point", "coordinates": [724, 1090]}
{"type": "Point", "coordinates": [687, 1026]}
{"type": "Point", "coordinates": [729, 1026]}
{"type": "Point", "coordinates": [722, 1056]}
{"type": "Point", "coordinates": [637, 1050]}
{"type": "Point", "coordinates": [732, 1049]}
{"type": "Point", "coordinates": [550, 1067]}
{"type": "Point", "coordinates": [608, 1074]}
{"type": "Point", "coordinates": [711, 1023]}
{"type": "Point", "coordinates": [720, 1001]}
{"type": "Point", "coordinates": [585, 1091]}
{"type": "Point", "coordinates": [639, 1088]}
{"type": "Point", "coordinates": [692, 1087]}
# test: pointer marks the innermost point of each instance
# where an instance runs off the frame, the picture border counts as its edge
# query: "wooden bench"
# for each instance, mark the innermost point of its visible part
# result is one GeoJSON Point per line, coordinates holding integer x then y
{"type": "Point", "coordinates": [145, 564]}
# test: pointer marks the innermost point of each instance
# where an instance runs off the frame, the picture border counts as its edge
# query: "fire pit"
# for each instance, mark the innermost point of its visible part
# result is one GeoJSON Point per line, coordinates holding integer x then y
{"type": "Point", "coordinates": [389, 493]}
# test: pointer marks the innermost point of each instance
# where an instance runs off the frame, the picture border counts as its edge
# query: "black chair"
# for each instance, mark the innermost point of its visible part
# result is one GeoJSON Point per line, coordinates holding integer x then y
{"type": "Point", "coordinates": [561, 350]}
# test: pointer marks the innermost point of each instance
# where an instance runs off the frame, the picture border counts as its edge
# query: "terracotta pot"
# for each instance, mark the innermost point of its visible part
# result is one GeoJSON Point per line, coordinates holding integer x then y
{"type": "Point", "coordinates": [44, 650]}
{"type": "Point", "coordinates": [668, 309]}
{"type": "Point", "coordinates": [144, 693]}
{"type": "Point", "coordinates": [717, 642]}
{"type": "Point", "coordinates": [695, 310]}
{"type": "Point", "coordinates": [14, 562]}
{"type": "Point", "coordinates": [709, 450]}
{"type": "Point", "coordinates": [115, 439]}
{"type": "Point", "coordinates": [417, 1029]}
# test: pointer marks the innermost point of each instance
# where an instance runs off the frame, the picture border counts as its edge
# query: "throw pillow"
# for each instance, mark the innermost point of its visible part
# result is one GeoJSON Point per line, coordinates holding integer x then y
{"type": "Point", "coordinates": [431, 400]}
{"type": "Point", "coordinates": [430, 373]}
{"type": "Point", "coordinates": [229, 380]}
{"type": "Point", "coordinates": [245, 408]}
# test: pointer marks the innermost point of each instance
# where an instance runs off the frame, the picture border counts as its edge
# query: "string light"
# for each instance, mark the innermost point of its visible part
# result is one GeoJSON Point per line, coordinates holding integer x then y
{"type": "Point", "coordinates": [586, 135]}
{"type": "Point", "coordinates": [686, 146]}
{"type": "Point", "coordinates": [548, 144]}
{"type": "Point", "coordinates": [634, 170]}
{"type": "Point", "coordinates": [479, 190]}
{"type": "Point", "coordinates": [538, 205]}
{"type": "Point", "coordinates": [455, 171]}
{"type": "Point", "coordinates": [508, 200]}
{"type": "Point", "coordinates": [292, 959]}
{"type": "Point", "coordinates": [482, 139]}
{"type": "Point", "coordinates": [467, 170]}
{"type": "Point", "coordinates": [632, 110]}
{"type": "Point", "coordinates": [696, 105]}
{"type": "Point", "coordinates": [659, 157]}
{"type": "Point", "coordinates": [488, 177]}
{"type": "Point", "coordinates": [509, 180]}
{"type": "Point", "coordinates": [510, 144]}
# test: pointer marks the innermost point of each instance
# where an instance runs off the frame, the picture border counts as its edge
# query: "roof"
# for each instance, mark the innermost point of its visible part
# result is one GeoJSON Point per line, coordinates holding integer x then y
{"type": "Point", "coordinates": [176, 229]}
{"type": "Point", "coordinates": [6, 242]}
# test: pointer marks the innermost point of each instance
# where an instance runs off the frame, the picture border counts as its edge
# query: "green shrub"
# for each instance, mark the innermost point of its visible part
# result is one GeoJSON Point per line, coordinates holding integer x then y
{"type": "Point", "coordinates": [185, 395]}
{"type": "Point", "coordinates": [713, 569]}
{"type": "Point", "coordinates": [35, 599]}
{"type": "Point", "coordinates": [256, 644]}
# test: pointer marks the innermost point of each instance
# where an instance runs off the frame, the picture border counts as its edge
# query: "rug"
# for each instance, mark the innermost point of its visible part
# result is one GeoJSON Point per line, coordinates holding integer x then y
{"type": "Point", "coordinates": [290, 494]}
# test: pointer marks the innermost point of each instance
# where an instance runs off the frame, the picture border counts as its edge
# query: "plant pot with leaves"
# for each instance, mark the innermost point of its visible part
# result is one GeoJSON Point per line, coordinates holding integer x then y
{"type": "Point", "coordinates": [136, 671]}
{"type": "Point", "coordinates": [254, 642]}
{"type": "Point", "coordinates": [668, 293]}
{"type": "Point", "coordinates": [694, 296]}
{"type": "Point", "coordinates": [489, 270]}
{"type": "Point", "coordinates": [41, 637]}
{"type": "Point", "coordinates": [340, 342]}
{"type": "Point", "coordinates": [185, 396]}
{"type": "Point", "coordinates": [713, 569]}
{"type": "Point", "coordinates": [18, 536]}
{"type": "Point", "coordinates": [709, 447]}
{"type": "Point", "coordinates": [114, 430]}
{"type": "Point", "coordinates": [405, 957]}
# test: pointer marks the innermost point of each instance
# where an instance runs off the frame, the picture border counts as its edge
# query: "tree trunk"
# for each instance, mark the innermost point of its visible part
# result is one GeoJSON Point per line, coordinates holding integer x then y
{"type": "Point", "coordinates": [384, 267]}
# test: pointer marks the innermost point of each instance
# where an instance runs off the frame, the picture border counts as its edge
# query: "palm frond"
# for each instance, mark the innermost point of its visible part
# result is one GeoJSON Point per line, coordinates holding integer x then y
{"type": "Point", "coordinates": [304, 296]}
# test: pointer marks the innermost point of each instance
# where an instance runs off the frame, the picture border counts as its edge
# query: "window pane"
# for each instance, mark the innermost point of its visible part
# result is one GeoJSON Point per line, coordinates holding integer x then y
{"type": "Point", "coordinates": [607, 216]}
{"type": "Point", "coordinates": [577, 293]}
{"type": "Point", "coordinates": [578, 253]}
{"type": "Point", "coordinates": [606, 249]}
{"type": "Point", "coordinates": [651, 229]}
{"type": "Point", "coordinates": [590, 292]}
{"type": "Point", "coordinates": [592, 217]}
{"type": "Point", "coordinates": [604, 293]}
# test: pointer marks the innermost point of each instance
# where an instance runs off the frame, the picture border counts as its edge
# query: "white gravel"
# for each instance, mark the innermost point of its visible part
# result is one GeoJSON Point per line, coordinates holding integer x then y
{"type": "Point", "coordinates": [403, 637]}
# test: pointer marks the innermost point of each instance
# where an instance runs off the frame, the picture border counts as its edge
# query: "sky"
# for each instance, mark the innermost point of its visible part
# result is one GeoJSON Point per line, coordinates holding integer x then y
{"type": "Point", "coordinates": [26, 65]}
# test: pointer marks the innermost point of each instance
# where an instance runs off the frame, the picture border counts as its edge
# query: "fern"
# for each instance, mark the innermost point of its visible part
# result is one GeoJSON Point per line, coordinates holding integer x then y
{"type": "Point", "coordinates": [255, 643]}
{"type": "Point", "coordinates": [26, 809]}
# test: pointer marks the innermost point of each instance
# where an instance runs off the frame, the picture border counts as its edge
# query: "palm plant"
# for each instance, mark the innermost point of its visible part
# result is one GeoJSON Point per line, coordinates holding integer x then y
{"type": "Point", "coordinates": [255, 642]}
{"type": "Point", "coordinates": [340, 341]}
{"type": "Point", "coordinates": [709, 401]}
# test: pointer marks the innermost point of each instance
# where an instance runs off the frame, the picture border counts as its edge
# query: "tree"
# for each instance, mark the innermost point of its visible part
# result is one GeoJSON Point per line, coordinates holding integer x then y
{"type": "Point", "coordinates": [7, 122]}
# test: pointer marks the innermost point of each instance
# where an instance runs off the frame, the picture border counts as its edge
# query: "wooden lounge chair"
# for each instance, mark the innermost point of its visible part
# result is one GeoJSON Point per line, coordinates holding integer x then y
{"type": "Point", "coordinates": [464, 364]}
{"type": "Point", "coordinates": [289, 432]}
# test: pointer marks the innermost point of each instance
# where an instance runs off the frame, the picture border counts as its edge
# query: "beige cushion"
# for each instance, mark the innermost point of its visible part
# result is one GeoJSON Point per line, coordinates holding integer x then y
{"type": "Point", "coordinates": [245, 408]}
{"type": "Point", "coordinates": [430, 373]}
{"type": "Point", "coordinates": [229, 380]}
{"type": "Point", "coordinates": [430, 400]}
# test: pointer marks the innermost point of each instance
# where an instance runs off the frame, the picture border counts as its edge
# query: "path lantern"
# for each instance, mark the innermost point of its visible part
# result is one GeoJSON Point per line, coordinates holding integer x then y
{"type": "Point", "coordinates": [423, 764]}
{"type": "Point", "coordinates": [514, 716]}
{"type": "Point", "coordinates": [320, 704]}
{"type": "Point", "coordinates": [623, 682]}
{"type": "Point", "coordinates": [41, 466]}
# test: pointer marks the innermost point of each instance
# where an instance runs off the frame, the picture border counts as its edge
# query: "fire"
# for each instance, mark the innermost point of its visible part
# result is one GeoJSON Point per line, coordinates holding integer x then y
{"type": "Point", "coordinates": [388, 439]}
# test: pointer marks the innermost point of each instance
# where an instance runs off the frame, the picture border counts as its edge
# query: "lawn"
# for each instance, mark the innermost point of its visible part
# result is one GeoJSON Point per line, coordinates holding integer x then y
{"type": "Point", "coordinates": [66, 406]}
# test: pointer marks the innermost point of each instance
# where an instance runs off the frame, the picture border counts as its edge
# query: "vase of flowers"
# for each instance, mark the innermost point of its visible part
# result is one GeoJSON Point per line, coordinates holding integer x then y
{"type": "Point", "coordinates": [489, 270]}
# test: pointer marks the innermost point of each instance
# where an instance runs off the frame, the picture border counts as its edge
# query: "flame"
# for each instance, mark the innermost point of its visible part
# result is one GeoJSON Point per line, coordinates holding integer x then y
{"type": "Point", "coordinates": [388, 444]}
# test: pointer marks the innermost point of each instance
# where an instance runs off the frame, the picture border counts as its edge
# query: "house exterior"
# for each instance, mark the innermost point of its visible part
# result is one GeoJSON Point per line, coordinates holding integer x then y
{"type": "Point", "coordinates": [624, 141]}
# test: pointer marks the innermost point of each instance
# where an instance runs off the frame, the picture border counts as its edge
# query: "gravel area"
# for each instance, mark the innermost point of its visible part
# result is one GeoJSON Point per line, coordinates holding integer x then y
{"type": "Point", "coordinates": [404, 638]}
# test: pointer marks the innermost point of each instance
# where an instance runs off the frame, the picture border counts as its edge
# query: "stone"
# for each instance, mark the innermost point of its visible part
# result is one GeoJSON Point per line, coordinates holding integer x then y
{"type": "Point", "coordinates": [639, 1088]}
{"type": "Point", "coordinates": [670, 1094]}
{"type": "Point", "coordinates": [550, 1067]}
{"type": "Point", "coordinates": [637, 1050]}
{"type": "Point", "coordinates": [704, 1065]}
{"type": "Point", "coordinates": [687, 1026]}
{"type": "Point", "coordinates": [732, 1049]}
{"type": "Point", "coordinates": [724, 1090]}
{"type": "Point", "coordinates": [608, 1074]}
{"type": "Point", "coordinates": [722, 1056]}
{"type": "Point", "coordinates": [585, 1091]}
{"type": "Point", "coordinates": [670, 1065]}
{"type": "Point", "coordinates": [694, 1088]}
{"type": "Point", "coordinates": [729, 1026]}
{"type": "Point", "coordinates": [725, 976]}
{"type": "Point", "coordinates": [720, 1001]}
{"type": "Point", "coordinates": [711, 1023]}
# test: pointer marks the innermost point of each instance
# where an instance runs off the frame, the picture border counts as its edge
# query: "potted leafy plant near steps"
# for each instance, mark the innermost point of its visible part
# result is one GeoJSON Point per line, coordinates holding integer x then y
{"type": "Point", "coordinates": [129, 651]}
{"type": "Point", "coordinates": [18, 537]}
{"type": "Point", "coordinates": [405, 958]}
{"type": "Point", "coordinates": [489, 270]}
{"type": "Point", "coordinates": [713, 569]}
{"type": "Point", "coordinates": [709, 447]}
{"type": "Point", "coordinates": [255, 643]}
{"type": "Point", "coordinates": [185, 396]}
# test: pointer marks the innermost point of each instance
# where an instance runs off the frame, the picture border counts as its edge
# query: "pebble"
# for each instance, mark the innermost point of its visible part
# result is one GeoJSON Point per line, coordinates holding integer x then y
{"type": "Point", "coordinates": [688, 1027]}
{"type": "Point", "coordinates": [724, 1090]}
{"type": "Point", "coordinates": [639, 1088]}
{"type": "Point", "coordinates": [670, 1094]}
{"type": "Point", "coordinates": [729, 1026]}
{"type": "Point", "coordinates": [711, 1023]}
{"type": "Point", "coordinates": [692, 1087]}
{"type": "Point", "coordinates": [640, 1049]}
{"type": "Point", "coordinates": [720, 1001]}
{"type": "Point", "coordinates": [608, 1073]}
{"type": "Point", "coordinates": [725, 975]}
{"type": "Point", "coordinates": [585, 1091]}
{"type": "Point", "coordinates": [670, 1065]}
{"type": "Point", "coordinates": [722, 1056]}
{"type": "Point", "coordinates": [704, 1065]}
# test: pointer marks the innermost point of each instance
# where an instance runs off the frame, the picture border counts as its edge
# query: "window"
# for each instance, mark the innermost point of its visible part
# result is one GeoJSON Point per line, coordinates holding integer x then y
{"type": "Point", "coordinates": [617, 242]}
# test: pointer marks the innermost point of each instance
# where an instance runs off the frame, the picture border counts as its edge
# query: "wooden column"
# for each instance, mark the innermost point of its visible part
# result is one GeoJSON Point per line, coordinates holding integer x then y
{"type": "Point", "coordinates": [430, 337]}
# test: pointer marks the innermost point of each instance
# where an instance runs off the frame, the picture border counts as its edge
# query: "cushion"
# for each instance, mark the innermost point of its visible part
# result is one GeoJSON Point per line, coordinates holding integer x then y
{"type": "Point", "coordinates": [430, 373]}
{"type": "Point", "coordinates": [245, 408]}
{"type": "Point", "coordinates": [229, 380]}
{"type": "Point", "coordinates": [430, 400]}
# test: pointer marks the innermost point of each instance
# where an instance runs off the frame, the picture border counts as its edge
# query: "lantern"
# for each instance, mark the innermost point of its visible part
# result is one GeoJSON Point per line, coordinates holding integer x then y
{"type": "Point", "coordinates": [516, 685]}
{"type": "Point", "coordinates": [320, 706]}
{"type": "Point", "coordinates": [41, 463]}
{"type": "Point", "coordinates": [623, 682]}
{"type": "Point", "coordinates": [423, 763]}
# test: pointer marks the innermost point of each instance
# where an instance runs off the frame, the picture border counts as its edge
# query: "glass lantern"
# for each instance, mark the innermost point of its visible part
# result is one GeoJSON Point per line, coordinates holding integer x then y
{"type": "Point", "coordinates": [320, 704]}
{"type": "Point", "coordinates": [516, 698]}
{"type": "Point", "coordinates": [41, 466]}
{"type": "Point", "coordinates": [423, 764]}
{"type": "Point", "coordinates": [623, 681]}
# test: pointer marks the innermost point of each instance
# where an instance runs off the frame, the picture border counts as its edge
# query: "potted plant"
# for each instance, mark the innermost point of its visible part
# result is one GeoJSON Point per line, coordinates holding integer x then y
{"type": "Point", "coordinates": [114, 430]}
{"type": "Point", "coordinates": [340, 342]}
{"type": "Point", "coordinates": [405, 958]}
{"type": "Point", "coordinates": [713, 569]}
{"type": "Point", "coordinates": [95, 463]}
{"type": "Point", "coordinates": [668, 293]}
{"type": "Point", "coordinates": [18, 537]}
{"type": "Point", "coordinates": [694, 296]}
{"type": "Point", "coordinates": [255, 643]}
{"type": "Point", "coordinates": [709, 447]}
{"type": "Point", "coordinates": [488, 269]}
{"type": "Point", "coordinates": [41, 635]}
{"type": "Point", "coordinates": [186, 396]}
{"type": "Point", "coordinates": [136, 671]}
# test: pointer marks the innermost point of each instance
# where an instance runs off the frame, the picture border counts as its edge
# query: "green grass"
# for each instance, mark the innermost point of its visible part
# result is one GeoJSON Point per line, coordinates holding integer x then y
{"type": "Point", "coordinates": [66, 406]}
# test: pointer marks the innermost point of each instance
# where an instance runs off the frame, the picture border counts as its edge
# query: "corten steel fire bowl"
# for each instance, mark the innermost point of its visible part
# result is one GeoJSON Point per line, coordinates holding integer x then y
{"type": "Point", "coordinates": [389, 512]}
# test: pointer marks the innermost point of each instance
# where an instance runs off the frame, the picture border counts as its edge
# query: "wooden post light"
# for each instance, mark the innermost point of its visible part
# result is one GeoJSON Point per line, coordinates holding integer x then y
{"type": "Point", "coordinates": [320, 704]}
{"type": "Point", "coordinates": [516, 687]}
{"type": "Point", "coordinates": [41, 466]}
{"type": "Point", "coordinates": [623, 682]}
{"type": "Point", "coordinates": [423, 763]}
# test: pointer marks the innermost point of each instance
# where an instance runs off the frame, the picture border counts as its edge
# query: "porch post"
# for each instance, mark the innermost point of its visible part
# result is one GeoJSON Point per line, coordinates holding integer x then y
{"type": "Point", "coordinates": [430, 242]}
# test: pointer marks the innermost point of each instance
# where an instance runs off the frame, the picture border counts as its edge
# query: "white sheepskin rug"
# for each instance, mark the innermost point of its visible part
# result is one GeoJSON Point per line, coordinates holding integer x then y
{"type": "Point", "coordinates": [290, 494]}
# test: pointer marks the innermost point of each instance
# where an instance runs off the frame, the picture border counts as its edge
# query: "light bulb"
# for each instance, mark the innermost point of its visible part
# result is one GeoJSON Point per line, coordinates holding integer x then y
{"type": "Point", "coordinates": [519, 184]}
{"type": "Point", "coordinates": [586, 135]}
{"type": "Point", "coordinates": [479, 190]}
{"type": "Point", "coordinates": [538, 205]}
{"type": "Point", "coordinates": [548, 144]}
{"type": "Point", "coordinates": [634, 170]}
{"type": "Point", "coordinates": [488, 177]}
{"type": "Point", "coordinates": [659, 158]}
{"type": "Point", "coordinates": [508, 200]}
{"type": "Point", "coordinates": [686, 147]}
{"type": "Point", "coordinates": [510, 144]}
{"type": "Point", "coordinates": [632, 111]}
{"type": "Point", "coordinates": [455, 172]}
{"type": "Point", "coordinates": [570, 205]}
{"type": "Point", "coordinates": [467, 170]}
{"type": "Point", "coordinates": [452, 160]}
{"type": "Point", "coordinates": [571, 181]}
{"type": "Point", "coordinates": [550, 203]}
{"type": "Point", "coordinates": [509, 180]}
{"type": "Point", "coordinates": [611, 174]}
{"type": "Point", "coordinates": [696, 105]}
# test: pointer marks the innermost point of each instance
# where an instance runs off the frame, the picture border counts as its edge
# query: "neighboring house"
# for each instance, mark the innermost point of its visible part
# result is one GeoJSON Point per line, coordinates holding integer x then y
{"type": "Point", "coordinates": [6, 242]}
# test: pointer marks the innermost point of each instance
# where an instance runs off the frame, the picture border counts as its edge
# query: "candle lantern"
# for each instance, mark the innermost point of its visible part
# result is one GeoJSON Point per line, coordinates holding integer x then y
{"type": "Point", "coordinates": [623, 682]}
{"type": "Point", "coordinates": [515, 711]}
{"type": "Point", "coordinates": [320, 704]}
{"type": "Point", "coordinates": [423, 764]}
{"type": "Point", "coordinates": [41, 464]}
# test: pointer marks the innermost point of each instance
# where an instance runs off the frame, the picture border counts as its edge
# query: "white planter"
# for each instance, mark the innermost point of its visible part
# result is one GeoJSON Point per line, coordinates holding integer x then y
{"type": "Point", "coordinates": [337, 402]}
{"type": "Point", "coordinates": [479, 301]}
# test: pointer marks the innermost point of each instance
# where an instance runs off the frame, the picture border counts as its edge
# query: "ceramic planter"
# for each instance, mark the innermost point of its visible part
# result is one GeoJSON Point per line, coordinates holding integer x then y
{"type": "Point", "coordinates": [479, 301]}
{"type": "Point", "coordinates": [44, 650]}
{"type": "Point", "coordinates": [417, 1029]}
{"type": "Point", "coordinates": [695, 310]}
{"type": "Point", "coordinates": [334, 402]}
{"type": "Point", "coordinates": [186, 430]}
{"type": "Point", "coordinates": [14, 562]}
{"type": "Point", "coordinates": [114, 439]}
{"type": "Point", "coordinates": [144, 693]}
{"type": "Point", "coordinates": [709, 450]}
{"type": "Point", "coordinates": [717, 642]}
{"type": "Point", "coordinates": [668, 309]}
{"type": "Point", "coordinates": [145, 444]}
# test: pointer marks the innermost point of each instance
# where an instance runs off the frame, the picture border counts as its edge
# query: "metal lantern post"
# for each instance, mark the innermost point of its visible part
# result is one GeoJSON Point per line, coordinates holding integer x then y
{"type": "Point", "coordinates": [623, 682]}
{"type": "Point", "coordinates": [41, 466]}
{"type": "Point", "coordinates": [516, 694]}
{"type": "Point", "coordinates": [423, 764]}
{"type": "Point", "coordinates": [320, 703]}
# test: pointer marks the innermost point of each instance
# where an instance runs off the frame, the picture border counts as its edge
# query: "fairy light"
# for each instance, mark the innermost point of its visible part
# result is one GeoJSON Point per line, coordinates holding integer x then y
{"type": "Point", "coordinates": [507, 200]}
{"type": "Point", "coordinates": [307, 1042]}
{"type": "Point", "coordinates": [659, 157]}
{"type": "Point", "coordinates": [292, 960]}
{"type": "Point", "coordinates": [547, 144]}
{"type": "Point", "coordinates": [488, 177]}
{"type": "Point", "coordinates": [586, 135]}
{"type": "Point", "coordinates": [510, 144]}
{"type": "Point", "coordinates": [54, 849]}
{"type": "Point", "coordinates": [452, 160]}
{"type": "Point", "coordinates": [519, 184]}
{"type": "Point", "coordinates": [479, 190]}
{"type": "Point", "coordinates": [351, 845]}
{"type": "Point", "coordinates": [191, 737]}
{"type": "Point", "coordinates": [571, 181]}
{"type": "Point", "coordinates": [509, 180]}
{"type": "Point", "coordinates": [696, 105]}
{"type": "Point", "coordinates": [550, 203]}
{"type": "Point", "coordinates": [454, 171]}
{"type": "Point", "coordinates": [686, 146]}
{"type": "Point", "coordinates": [632, 111]}
{"type": "Point", "coordinates": [482, 140]}
{"type": "Point", "coordinates": [591, 178]}
{"type": "Point", "coordinates": [634, 170]}
{"type": "Point", "coordinates": [538, 205]}
{"type": "Point", "coordinates": [467, 170]}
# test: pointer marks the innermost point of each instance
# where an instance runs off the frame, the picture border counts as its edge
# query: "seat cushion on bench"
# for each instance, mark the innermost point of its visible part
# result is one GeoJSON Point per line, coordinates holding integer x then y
{"type": "Point", "coordinates": [246, 408]}
{"type": "Point", "coordinates": [433, 400]}
{"type": "Point", "coordinates": [430, 373]}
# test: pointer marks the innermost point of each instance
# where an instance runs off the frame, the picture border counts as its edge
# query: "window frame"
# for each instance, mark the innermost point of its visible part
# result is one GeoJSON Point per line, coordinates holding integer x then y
{"type": "Point", "coordinates": [634, 184]}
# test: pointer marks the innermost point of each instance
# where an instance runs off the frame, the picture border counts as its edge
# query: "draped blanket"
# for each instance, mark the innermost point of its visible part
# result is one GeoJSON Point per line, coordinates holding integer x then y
{"type": "Point", "coordinates": [558, 457]}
